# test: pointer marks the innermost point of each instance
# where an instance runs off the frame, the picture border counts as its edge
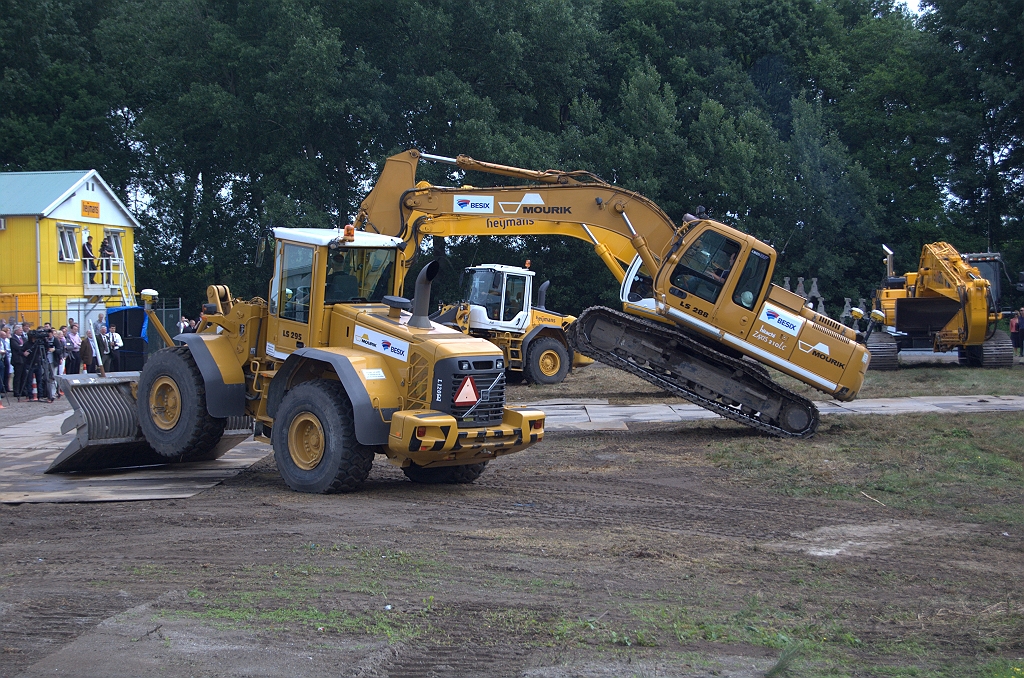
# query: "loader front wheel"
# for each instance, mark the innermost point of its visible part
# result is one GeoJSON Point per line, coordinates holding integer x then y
{"type": "Point", "coordinates": [314, 440]}
{"type": "Point", "coordinates": [445, 475]}
{"type": "Point", "coordinates": [171, 406]}
{"type": "Point", "coordinates": [547, 362]}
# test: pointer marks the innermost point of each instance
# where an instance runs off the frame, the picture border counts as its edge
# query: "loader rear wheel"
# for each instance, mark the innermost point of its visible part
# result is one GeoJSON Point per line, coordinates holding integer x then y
{"type": "Point", "coordinates": [171, 406]}
{"type": "Point", "coordinates": [314, 440]}
{"type": "Point", "coordinates": [547, 362]}
{"type": "Point", "coordinates": [444, 475]}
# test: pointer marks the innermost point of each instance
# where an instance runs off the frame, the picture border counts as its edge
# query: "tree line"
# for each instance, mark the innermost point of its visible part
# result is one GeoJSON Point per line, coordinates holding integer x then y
{"type": "Point", "coordinates": [825, 127]}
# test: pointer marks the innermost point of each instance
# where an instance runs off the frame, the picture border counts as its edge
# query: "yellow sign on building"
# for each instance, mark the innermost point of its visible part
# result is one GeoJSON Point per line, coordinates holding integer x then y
{"type": "Point", "coordinates": [90, 209]}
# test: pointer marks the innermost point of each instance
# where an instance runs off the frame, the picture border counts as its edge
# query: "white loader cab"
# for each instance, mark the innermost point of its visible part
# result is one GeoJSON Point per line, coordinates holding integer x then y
{"type": "Point", "coordinates": [499, 297]}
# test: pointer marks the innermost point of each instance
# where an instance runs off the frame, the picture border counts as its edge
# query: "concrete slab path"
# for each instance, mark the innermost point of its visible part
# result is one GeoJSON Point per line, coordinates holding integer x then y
{"type": "Point", "coordinates": [30, 446]}
{"type": "Point", "coordinates": [591, 415]}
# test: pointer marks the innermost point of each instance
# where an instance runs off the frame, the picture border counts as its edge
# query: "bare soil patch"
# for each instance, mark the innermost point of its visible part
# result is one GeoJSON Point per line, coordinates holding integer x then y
{"type": "Point", "coordinates": [671, 550]}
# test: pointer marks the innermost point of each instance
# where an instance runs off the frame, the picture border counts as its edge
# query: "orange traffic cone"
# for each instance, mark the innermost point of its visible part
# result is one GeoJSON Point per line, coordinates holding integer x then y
{"type": "Point", "coordinates": [35, 390]}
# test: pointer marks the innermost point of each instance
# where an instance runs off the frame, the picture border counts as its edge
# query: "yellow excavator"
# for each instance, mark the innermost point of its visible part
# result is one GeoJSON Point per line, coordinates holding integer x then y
{"type": "Point", "coordinates": [497, 305]}
{"type": "Point", "coordinates": [335, 368]}
{"type": "Point", "coordinates": [700, 316]}
{"type": "Point", "coordinates": [946, 304]}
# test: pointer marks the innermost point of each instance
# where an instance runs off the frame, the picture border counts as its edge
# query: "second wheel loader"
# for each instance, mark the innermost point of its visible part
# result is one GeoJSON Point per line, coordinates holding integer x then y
{"type": "Point", "coordinates": [498, 307]}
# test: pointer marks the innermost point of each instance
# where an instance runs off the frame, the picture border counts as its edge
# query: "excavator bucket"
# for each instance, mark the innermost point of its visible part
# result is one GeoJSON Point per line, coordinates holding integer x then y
{"type": "Point", "coordinates": [108, 434]}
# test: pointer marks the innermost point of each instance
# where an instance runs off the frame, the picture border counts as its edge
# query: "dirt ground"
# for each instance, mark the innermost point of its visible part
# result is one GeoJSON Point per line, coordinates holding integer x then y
{"type": "Point", "coordinates": [591, 554]}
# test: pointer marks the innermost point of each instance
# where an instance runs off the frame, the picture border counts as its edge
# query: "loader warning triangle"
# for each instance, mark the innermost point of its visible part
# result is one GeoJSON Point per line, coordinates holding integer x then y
{"type": "Point", "coordinates": [467, 394]}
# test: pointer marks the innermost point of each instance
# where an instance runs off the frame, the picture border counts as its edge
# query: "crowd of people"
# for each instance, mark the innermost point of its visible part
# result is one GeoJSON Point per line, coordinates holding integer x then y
{"type": "Point", "coordinates": [42, 354]}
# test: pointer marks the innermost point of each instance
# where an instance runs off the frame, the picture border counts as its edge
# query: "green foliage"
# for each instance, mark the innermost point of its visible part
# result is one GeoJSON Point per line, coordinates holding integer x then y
{"type": "Point", "coordinates": [826, 128]}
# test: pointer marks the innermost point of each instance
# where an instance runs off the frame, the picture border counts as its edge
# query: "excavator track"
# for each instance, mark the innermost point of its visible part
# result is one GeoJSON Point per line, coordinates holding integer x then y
{"type": "Point", "coordinates": [638, 341]}
{"type": "Point", "coordinates": [997, 352]}
{"type": "Point", "coordinates": [885, 352]}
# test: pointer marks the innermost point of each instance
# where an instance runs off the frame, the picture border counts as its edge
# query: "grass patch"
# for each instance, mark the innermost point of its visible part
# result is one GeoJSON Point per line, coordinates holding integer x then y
{"type": "Point", "coordinates": [969, 465]}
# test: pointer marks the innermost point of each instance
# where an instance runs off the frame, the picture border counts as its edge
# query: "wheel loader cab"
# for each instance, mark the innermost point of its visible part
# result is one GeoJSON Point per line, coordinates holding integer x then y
{"type": "Point", "coordinates": [317, 268]}
{"type": "Point", "coordinates": [499, 297]}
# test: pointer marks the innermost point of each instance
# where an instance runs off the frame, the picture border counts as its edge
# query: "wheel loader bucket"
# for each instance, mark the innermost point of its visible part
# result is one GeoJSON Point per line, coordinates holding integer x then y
{"type": "Point", "coordinates": [108, 434]}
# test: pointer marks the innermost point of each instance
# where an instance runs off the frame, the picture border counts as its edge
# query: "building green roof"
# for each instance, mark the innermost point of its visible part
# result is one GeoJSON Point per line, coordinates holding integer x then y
{"type": "Point", "coordinates": [39, 193]}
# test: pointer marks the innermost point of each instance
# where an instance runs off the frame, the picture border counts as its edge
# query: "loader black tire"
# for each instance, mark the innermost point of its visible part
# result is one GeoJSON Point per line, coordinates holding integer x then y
{"type": "Point", "coordinates": [314, 440]}
{"type": "Point", "coordinates": [514, 376]}
{"type": "Point", "coordinates": [547, 361]}
{"type": "Point", "coordinates": [444, 475]}
{"type": "Point", "coordinates": [171, 406]}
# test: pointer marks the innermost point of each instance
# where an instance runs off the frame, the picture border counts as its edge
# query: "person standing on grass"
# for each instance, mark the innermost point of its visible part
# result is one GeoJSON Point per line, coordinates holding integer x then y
{"type": "Point", "coordinates": [1015, 333]}
{"type": "Point", "coordinates": [1019, 335]}
{"type": "Point", "coordinates": [5, 359]}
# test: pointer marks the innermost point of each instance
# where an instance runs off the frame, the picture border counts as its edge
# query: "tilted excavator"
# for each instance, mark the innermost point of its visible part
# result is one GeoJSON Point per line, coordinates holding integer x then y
{"type": "Point", "coordinates": [700, 316]}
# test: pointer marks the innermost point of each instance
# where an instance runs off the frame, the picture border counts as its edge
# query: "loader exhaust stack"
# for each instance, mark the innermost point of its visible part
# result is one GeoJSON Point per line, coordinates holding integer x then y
{"type": "Point", "coordinates": [421, 304]}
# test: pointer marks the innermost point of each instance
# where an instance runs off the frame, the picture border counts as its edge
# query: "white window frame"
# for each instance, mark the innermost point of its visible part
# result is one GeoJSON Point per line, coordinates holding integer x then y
{"type": "Point", "coordinates": [67, 235]}
{"type": "Point", "coordinates": [116, 236]}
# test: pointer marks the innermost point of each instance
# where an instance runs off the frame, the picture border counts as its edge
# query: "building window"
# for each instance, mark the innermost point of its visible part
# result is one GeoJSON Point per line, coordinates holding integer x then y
{"type": "Point", "coordinates": [116, 244]}
{"type": "Point", "coordinates": [67, 238]}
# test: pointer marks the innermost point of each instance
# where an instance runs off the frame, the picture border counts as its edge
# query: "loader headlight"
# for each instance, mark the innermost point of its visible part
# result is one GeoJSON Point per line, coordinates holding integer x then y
{"type": "Point", "coordinates": [464, 365]}
{"type": "Point", "coordinates": [499, 364]}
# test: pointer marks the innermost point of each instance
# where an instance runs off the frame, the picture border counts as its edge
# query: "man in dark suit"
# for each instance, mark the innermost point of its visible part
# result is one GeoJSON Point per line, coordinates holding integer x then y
{"type": "Point", "coordinates": [18, 340]}
{"type": "Point", "coordinates": [89, 259]}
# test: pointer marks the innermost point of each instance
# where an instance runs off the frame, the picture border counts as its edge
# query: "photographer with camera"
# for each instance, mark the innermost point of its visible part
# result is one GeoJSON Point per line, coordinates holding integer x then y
{"type": "Point", "coordinates": [36, 352]}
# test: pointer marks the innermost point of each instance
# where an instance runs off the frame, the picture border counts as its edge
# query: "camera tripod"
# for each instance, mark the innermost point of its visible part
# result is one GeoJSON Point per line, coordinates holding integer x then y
{"type": "Point", "coordinates": [36, 364]}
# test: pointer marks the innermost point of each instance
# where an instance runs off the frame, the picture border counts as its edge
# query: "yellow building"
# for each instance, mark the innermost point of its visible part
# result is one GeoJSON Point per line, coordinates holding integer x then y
{"type": "Point", "coordinates": [45, 220]}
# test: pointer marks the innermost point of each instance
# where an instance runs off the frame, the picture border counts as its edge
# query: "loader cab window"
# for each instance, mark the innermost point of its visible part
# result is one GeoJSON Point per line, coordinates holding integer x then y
{"type": "Point", "coordinates": [706, 265]}
{"type": "Point", "coordinates": [515, 292]}
{"type": "Point", "coordinates": [296, 282]}
{"type": "Point", "coordinates": [485, 290]}
{"type": "Point", "coordinates": [748, 289]}
{"type": "Point", "coordinates": [359, 274]}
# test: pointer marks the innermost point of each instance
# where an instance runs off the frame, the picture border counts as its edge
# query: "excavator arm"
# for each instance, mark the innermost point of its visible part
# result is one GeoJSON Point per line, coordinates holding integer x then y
{"type": "Point", "coordinates": [620, 224]}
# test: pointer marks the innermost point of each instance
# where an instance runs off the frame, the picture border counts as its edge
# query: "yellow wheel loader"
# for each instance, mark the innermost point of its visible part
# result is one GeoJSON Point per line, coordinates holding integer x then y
{"type": "Point", "coordinates": [946, 304]}
{"type": "Point", "coordinates": [498, 307]}
{"type": "Point", "coordinates": [335, 368]}
{"type": "Point", "coordinates": [700, 316]}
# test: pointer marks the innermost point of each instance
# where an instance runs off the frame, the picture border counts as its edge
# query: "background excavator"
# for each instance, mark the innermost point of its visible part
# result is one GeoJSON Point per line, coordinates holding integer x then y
{"type": "Point", "coordinates": [497, 305]}
{"type": "Point", "coordinates": [700, 316]}
{"type": "Point", "coordinates": [949, 303]}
